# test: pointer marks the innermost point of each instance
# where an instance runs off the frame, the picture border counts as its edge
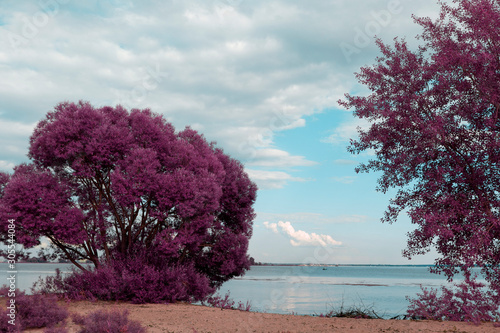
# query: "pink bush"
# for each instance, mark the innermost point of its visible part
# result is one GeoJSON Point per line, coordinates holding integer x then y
{"type": "Point", "coordinates": [221, 302]}
{"type": "Point", "coordinates": [434, 119]}
{"type": "Point", "coordinates": [34, 311]}
{"type": "Point", "coordinates": [5, 326]}
{"type": "Point", "coordinates": [161, 214]}
{"type": "Point", "coordinates": [139, 279]}
{"type": "Point", "coordinates": [468, 301]}
{"type": "Point", "coordinates": [109, 322]}
{"type": "Point", "coordinates": [227, 303]}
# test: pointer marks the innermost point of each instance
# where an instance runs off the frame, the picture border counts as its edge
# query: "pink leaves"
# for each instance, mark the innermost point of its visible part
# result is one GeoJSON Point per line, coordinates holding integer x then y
{"type": "Point", "coordinates": [108, 184]}
{"type": "Point", "coordinates": [435, 128]}
{"type": "Point", "coordinates": [136, 176]}
{"type": "Point", "coordinates": [42, 204]}
{"type": "Point", "coordinates": [192, 194]}
{"type": "Point", "coordinates": [466, 301]}
{"type": "Point", "coordinates": [77, 135]}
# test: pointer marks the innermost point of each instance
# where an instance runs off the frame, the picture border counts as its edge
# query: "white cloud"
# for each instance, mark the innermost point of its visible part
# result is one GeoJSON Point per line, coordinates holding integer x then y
{"type": "Point", "coordinates": [343, 133]}
{"type": "Point", "coordinates": [6, 166]}
{"type": "Point", "coordinates": [272, 226]}
{"type": "Point", "coordinates": [271, 157]}
{"type": "Point", "coordinates": [16, 128]}
{"type": "Point", "coordinates": [312, 218]}
{"type": "Point", "coordinates": [14, 140]}
{"type": "Point", "coordinates": [216, 17]}
{"type": "Point", "coordinates": [44, 244]}
{"type": "Point", "coordinates": [300, 237]}
{"type": "Point", "coordinates": [241, 70]}
{"type": "Point", "coordinates": [271, 179]}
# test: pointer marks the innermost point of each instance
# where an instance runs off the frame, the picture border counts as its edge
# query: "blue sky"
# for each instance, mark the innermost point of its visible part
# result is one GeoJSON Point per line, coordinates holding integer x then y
{"type": "Point", "coordinates": [262, 78]}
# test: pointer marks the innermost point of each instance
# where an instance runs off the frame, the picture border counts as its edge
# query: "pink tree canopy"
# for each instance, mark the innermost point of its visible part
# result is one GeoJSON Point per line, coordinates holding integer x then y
{"type": "Point", "coordinates": [106, 183]}
{"type": "Point", "coordinates": [435, 130]}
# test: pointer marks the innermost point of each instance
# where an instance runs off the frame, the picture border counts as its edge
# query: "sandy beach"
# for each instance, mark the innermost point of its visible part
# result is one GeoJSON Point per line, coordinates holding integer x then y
{"type": "Point", "coordinates": [181, 317]}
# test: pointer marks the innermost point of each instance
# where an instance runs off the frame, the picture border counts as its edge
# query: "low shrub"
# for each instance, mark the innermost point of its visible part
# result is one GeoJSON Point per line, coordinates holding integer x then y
{"type": "Point", "coordinates": [226, 302]}
{"type": "Point", "coordinates": [217, 301]}
{"type": "Point", "coordinates": [467, 301]}
{"type": "Point", "coordinates": [50, 285]}
{"type": "Point", "coordinates": [108, 322]}
{"type": "Point", "coordinates": [78, 318]}
{"type": "Point", "coordinates": [136, 279]}
{"type": "Point", "coordinates": [357, 312]}
{"type": "Point", "coordinates": [34, 311]}
{"type": "Point", "coordinates": [244, 306]}
{"type": "Point", "coordinates": [4, 323]}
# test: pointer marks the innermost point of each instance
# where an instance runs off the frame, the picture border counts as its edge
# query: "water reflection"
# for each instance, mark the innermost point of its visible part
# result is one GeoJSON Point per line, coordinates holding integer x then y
{"type": "Point", "coordinates": [303, 290]}
{"type": "Point", "coordinates": [313, 290]}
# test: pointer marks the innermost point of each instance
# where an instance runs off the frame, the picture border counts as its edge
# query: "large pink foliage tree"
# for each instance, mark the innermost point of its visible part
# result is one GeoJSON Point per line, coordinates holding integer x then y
{"type": "Point", "coordinates": [108, 185]}
{"type": "Point", "coordinates": [435, 130]}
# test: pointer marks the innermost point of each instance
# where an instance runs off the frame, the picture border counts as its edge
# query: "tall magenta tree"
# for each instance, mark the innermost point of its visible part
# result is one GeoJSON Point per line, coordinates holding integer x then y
{"type": "Point", "coordinates": [435, 129]}
{"type": "Point", "coordinates": [108, 185]}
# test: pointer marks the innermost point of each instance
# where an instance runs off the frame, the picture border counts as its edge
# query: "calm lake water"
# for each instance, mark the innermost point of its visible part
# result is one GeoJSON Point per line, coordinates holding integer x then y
{"type": "Point", "coordinates": [302, 289]}
{"type": "Point", "coordinates": [314, 290]}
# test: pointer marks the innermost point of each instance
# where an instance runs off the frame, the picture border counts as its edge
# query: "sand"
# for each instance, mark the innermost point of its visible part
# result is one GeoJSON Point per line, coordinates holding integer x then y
{"type": "Point", "coordinates": [181, 317]}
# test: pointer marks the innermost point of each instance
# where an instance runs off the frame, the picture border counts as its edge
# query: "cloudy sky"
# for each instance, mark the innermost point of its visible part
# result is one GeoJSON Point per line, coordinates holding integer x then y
{"type": "Point", "coordinates": [262, 78]}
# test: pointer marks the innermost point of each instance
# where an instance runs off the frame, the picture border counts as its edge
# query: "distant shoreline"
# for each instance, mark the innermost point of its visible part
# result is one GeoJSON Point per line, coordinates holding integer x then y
{"type": "Point", "coordinates": [340, 265]}
{"type": "Point", "coordinates": [269, 264]}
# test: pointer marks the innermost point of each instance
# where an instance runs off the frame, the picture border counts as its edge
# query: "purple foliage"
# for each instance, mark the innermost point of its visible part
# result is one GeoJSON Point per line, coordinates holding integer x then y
{"type": "Point", "coordinates": [78, 319]}
{"type": "Point", "coordinates": [139, 281]}
{"type": "Point", "coordinates": [468, 301]}
{"type": "Point", "coordinates": [226, 302]}
{"type": "Point", "coordinates": [434, 125]}
{"type": "Point", "coordinates": [35, 311]}
{"type": "Point", "coordinates": [4, 323]}
{"type": "Point", "coordinates": [110, 321]}
{"type": "Point", "coordinates": [218, 301]}
{"type": "Point", "coordinates": [39, 310]}
{"type": "Point", "coordinates": [247, 306]}
{"type": "Point", "coordinates": [143, 203]}
{"type": "Point", "coordinates": [50, 285]}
